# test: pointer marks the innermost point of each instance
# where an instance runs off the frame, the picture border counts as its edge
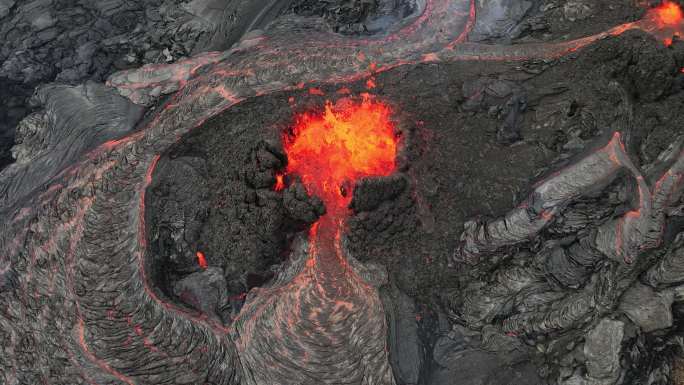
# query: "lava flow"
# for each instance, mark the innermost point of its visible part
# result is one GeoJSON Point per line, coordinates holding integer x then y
{"type": "Point", "coordinates": [330, 152]}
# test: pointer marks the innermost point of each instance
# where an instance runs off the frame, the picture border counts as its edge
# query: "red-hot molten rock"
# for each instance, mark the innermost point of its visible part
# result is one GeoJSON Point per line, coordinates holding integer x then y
{"type": "Point", "coordinates": [331, 151]}
{"type": "Point", "coordinates": [669, 13]}
{"type": "Point", "coordinates": [668, 19]}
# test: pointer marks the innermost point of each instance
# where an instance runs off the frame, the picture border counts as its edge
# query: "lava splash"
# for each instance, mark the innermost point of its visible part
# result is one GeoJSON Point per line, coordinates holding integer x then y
{"type": "Point", "coordinates": [331, 151]}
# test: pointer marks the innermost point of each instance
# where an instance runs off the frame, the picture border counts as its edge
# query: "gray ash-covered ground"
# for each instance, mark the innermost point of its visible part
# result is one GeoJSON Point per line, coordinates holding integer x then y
{"type": "Point", "coordinates": [476, 138]}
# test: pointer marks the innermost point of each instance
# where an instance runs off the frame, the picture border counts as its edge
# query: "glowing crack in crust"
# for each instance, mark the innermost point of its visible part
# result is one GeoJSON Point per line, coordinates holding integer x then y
{"type": "Point", "coordinates": [90, 241]}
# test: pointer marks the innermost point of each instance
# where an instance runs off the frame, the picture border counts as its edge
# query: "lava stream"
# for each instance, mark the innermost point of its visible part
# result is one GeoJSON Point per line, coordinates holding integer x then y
{"type": "Point", "coordinates": [330, 152]}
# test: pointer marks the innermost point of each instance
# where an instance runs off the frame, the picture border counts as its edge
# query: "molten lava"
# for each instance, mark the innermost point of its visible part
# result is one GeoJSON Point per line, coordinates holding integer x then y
{"type": "Point", "coordinates": [280, 182]}
{"type": "Point", "coordinates": [666, 21]}
{"type": "Point", "coordinates": [669, 13]}
{"type": "Point", "coordinates": [333, 150]}
{"type": "Point", "coordinates": [330, 152]}
{"type": "Point", "coordinates": [201, 260]}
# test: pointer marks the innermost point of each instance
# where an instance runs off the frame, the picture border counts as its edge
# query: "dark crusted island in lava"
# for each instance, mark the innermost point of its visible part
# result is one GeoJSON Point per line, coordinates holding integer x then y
{"type": "Point", "coordinates": [361, 192]}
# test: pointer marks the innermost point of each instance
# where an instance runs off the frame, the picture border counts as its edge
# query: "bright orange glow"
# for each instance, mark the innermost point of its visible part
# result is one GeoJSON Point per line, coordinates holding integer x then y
{"type": "Point", "coordinates": [669, 13]}
{"type": "Point", "coordinates": [665, 21]}
{"type": "Point", "coordinates": [349, 141]}
{"type": "Point", "coordinates": [280, 182]}
{"type": "Point", "coordinates": [201, 260]}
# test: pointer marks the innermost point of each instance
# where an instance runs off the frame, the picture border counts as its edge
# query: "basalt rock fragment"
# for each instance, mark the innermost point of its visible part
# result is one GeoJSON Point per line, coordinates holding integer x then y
{"type": "Point", "coordinates": [647, 308]}
{"type": "Point", "coordinates": [669, 270]}
{"type": "Point", "coordinates": [300, 206]}
{"type": "Point", "coordinates": [369, 193]}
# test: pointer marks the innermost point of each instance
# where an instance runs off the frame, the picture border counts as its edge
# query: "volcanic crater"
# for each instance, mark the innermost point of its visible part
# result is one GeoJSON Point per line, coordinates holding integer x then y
{"type": "Point", "coordinates": [414, 193]}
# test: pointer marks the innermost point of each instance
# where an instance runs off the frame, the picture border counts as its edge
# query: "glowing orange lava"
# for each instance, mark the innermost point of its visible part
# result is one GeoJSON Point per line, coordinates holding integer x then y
{"type": "Point", "coordinates": [280, 182]}
{"type": "Point", "coordinates": [665, 21]}
{"type": "Point", "coordinates": [669, 13]}
{"type": "Point", "coordinates": [201, 260]}
{"type": "Point", "coordinates": [349, 141]}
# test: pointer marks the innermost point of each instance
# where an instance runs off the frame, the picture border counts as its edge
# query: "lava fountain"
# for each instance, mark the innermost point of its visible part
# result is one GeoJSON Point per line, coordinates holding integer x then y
{"type": "Point", "coordinates": [330, 152]}
{"type": "Point", "coordinates": [668, 14]}
{"type": "Point", "coordinates": [666, 21]}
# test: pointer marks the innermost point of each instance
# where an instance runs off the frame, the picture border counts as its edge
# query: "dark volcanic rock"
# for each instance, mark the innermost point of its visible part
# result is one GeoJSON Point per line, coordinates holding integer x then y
{"type": "Point", "coordinates": [300, 206]}
{"type": "Point", "coordinates": [456, 169]}
{"type": "Point", "coordinates": [70, 41]}
{"type": "Point", "coordinates": [369, 193]}
{"type": "Point", "coordinates": [357, 16]}
{"type": "Point", "coordinates": [646, 69]}
{"type": "Point", "coordinates": [460, 359]}
{"type": "Point", "coordinates": [647, 308]}
{"type": "Point", "coordinates": [71, 122]}
{"type": "Point", "coordinates": [85, 304]}
{"type": "Point", "coordinates": [497, 19]}
{"type": "Point", "coordinates": [407, 353]}
{"type": "Point", "coordinates": [179, 199]}
{"type": "Point", "coordinates": [204, 291]}
{"type": "Point", "coordinates": [8, 277]}
{"type": "Point", "coordinates": [13, 108]}
{"type": "Point", "coordinates": [73, 40]}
